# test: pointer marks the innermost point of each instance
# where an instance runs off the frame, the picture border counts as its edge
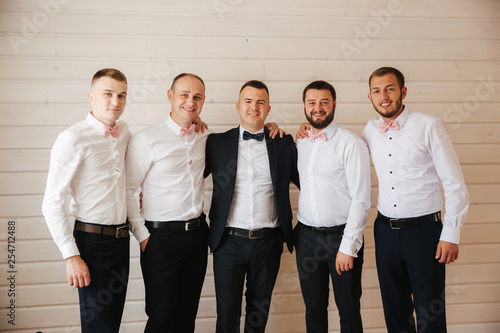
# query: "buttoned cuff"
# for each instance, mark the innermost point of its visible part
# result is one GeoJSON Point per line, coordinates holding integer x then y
{"type": "Point", "coordinates": [69, 250]}
{"type": "Point", "coordinates": [141, 233]}
{"type": "Point", "coordinates": [450, 234]}
{"type": "Point", "coordinates": [348, 247]}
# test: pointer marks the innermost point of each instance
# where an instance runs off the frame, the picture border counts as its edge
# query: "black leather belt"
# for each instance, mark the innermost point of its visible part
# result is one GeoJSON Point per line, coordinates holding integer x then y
{"type": "Point", "coordinates": [409, 222]}
{"type": "Point", "coordinates": [250, 234]}
{"type": "Point", "coordinates": [177, 225]}
{"type": "Point", "coordinates": [338, 229]}
{"type": "Point", "coordinates": [117, 231]}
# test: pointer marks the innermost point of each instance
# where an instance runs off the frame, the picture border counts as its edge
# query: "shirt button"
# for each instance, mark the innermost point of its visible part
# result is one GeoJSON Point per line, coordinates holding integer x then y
{"type": "Point", "coordinates": [390, 138]}
{"type": "Point", "coordinates": [395, 205]}
{"type": "Point", "coordinates": [392, 188]}
{"type": "Point", "coordinates": [390, 155]}
{"type": "Point", "coordinates": [390, 172]}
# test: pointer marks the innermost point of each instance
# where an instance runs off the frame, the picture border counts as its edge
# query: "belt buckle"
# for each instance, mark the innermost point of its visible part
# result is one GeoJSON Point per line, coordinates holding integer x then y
{"type": "Point", "coordinates": [393, 227]}
{"type": "Point", "coordinates": [190, 225]}
{"type": "Point", "coordinates": [250, 234]}
{"type": "Point", "coordinates": [117, 234]}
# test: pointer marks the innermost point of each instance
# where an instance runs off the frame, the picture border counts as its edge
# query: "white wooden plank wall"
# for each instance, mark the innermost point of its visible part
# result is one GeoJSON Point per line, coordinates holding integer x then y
{"type": "Point", "coordinates": [449, 51]}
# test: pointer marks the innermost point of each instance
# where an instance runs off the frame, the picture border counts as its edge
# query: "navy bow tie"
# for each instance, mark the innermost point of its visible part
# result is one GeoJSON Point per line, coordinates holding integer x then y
{"type": "Point", "coordinates": [248, 136]}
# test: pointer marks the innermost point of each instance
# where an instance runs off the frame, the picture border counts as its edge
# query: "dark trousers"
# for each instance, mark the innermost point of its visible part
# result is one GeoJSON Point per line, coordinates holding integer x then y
{"type": "Point", "coordinates": [258, 260]}
{"type": "Point", "coordinates": [406, 266]}
{"type": "Point", "coordinates": [173, 266]}
{"type": "Point", "coordinates": [316, 254]}
{"type": "Point", "coordinates": [102, 302]}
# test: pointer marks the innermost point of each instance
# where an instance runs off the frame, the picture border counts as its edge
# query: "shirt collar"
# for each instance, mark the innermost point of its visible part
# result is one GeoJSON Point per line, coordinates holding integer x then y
{"type": "Point", "coordinates": [243, 130]}
{"type": "Point", "coordinates": [174, 127]}
{"type": "Point", "coordinates": [401, 119]}
{"type": "Point", "coordinates": [93, 122]}
{"type": "Point", "coordinates": [330, 130]}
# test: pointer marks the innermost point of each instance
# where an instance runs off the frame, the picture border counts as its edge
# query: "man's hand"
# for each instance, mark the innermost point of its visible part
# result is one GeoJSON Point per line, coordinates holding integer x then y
{"type": "Point", "coordinates": [77, 272]}
{"type": "Point", "coordinates": [343, 262]}
{"type": "Point", "coordinates": [302, 132]}
{"type": "Point", "coordinates": [200, 125]}
{"type": "Point", "coordinates": [446, 252]}
{"type": "Point", "coordinates": [143, 244]}
{"type": "Point", "coordinates": [274, 130]}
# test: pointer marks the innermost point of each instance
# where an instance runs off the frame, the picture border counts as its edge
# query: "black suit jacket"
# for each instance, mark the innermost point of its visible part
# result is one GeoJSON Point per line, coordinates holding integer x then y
{"type": "Point", "coordinates": [221, 162]}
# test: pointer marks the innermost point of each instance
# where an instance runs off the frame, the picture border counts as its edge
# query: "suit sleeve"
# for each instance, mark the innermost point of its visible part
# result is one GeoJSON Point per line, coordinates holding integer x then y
{"type": "Point", "coordinates": [208, 156]}
{"type": "Point", "coordinates": [294, 172]}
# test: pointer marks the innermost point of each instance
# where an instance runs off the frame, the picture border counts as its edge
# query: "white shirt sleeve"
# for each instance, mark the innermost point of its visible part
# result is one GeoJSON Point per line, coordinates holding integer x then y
{"type": "Point", "coordinates": [450, 174]}
{"type": "Point", "coordinates": [65, 158]}
{"type": "Point", "coordinates": [138, 163]}
{"type": "Point", "coordinates": [357, 171]}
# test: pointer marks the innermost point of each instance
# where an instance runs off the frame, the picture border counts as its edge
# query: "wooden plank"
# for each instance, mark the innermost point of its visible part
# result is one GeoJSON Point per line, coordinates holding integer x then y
{"type": "Point", "coordinates": [253, 48]}
{"type": "Point", "coordinates": [18, 160]}
{"type": "Point", "coordinates": [335, 8]}
{"type": "Point", "coordinates": [140, 70]}
{"type": "Point", "coordinates": [237, 25]}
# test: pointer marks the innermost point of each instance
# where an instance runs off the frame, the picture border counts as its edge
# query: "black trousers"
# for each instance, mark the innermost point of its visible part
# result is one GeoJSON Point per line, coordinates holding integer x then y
{"type": "Point", "coordinates": [173, 266]}
{"type": "Point", "coordinates": [316, 254]}
{"type": "Point", "coordinates": [407, 267]}
{"type": "Point", "coordinates": [258, 260]}
{"type": "Point", "coordinates": [108, 260]}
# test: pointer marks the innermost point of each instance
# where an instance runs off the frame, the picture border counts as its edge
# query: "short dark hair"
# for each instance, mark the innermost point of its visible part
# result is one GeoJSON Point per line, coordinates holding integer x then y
{"type": "Point", "coordinates": [186, 74]}
{"type": "Point", "coordinates": [388, 70]}
{"type": "Point", "coordinates": [255, 84]}
{"type": "Point", "coordinates": [109, 72]}
{"type": "Point", "coordinates": [319, 85]}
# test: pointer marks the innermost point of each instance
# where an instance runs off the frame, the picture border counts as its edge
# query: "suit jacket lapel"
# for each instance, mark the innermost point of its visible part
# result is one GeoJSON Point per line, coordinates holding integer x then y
{"type": "Point", "coordinates": [272, 153]}
{"type": "Point", "coordinates": [232, 152]}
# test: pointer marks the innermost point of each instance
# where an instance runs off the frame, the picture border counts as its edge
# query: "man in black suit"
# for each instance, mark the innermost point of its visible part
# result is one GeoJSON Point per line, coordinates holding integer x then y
{"type": "Point", "coordinates": [250, 215]}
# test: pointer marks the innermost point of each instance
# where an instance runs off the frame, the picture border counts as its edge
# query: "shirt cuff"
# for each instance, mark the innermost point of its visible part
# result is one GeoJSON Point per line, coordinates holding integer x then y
{"type": "Point", "coordinates": [348, 247]}
{"type": "Point", "coordinates": [450, 234]}
{"type": "Point", "coordinates": [69, 250]}
{"type": "Point", "coordinates": [141, 233]}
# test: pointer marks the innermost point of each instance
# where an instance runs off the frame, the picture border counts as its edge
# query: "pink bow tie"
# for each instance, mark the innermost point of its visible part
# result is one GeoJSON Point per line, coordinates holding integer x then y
{"type": "Point", "coordinates": [114, 131]}
{"type": "Point", "coordinates": [320, 135]}
{"type": "Point", "coordinates": [187, 130]}
{"type": "Point", "coordinates": [384, 127]}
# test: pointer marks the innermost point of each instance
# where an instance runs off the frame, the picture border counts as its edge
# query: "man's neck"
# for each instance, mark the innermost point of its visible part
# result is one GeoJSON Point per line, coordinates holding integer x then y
{"type": "Point", "coordinates": [179, 121]}
{"type": "Point", "coordinates": [253, 129]}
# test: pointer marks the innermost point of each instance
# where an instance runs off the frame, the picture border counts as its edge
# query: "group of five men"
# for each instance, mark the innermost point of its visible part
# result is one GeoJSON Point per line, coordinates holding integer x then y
{"type": "Point", "coordinates": [250, 213]}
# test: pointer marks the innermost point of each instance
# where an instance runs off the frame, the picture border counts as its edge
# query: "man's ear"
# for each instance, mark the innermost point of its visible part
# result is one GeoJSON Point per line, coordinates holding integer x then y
{"type": "Point", "coordinates": [91, 97]}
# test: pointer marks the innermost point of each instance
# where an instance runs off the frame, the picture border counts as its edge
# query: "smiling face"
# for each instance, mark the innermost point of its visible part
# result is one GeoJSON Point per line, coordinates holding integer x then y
{"type": "Point", "coordinates": [253, 108]}
{"type": "Point", "coordinates": [387, 96]}
{"type": "Point", "coordinates": [108, 98]}
{"type": "Point", "coordinates": [187, 98]}
{"type": "Point", "coordinates": [319, 108]}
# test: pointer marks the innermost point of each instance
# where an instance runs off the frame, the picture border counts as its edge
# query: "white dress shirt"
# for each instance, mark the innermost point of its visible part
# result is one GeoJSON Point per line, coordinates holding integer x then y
{"type": "Point", "coordinates": [412, 165]}
{"type": "Point", "coordinates": [253, 205]}
{"type": "Point", "coordinates": [90, 168]}
{"type": "Point", "coordinates": [335, 184]}
{"type": "Point", "coordinates": [169, 171]}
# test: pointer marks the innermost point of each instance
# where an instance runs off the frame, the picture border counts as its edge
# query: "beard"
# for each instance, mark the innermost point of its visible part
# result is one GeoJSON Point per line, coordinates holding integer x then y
{"type": "Point", "coordinates": [397, 107]}
{"type": "Point", "coordinates": [320, 124]}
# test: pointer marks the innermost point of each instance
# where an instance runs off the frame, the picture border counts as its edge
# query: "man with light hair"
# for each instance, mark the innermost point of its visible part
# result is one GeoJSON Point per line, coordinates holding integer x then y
{"type": "Point", "coordinates": [88, 163]}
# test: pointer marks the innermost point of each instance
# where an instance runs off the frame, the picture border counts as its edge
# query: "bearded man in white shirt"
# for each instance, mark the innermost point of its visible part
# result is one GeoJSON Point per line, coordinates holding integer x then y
{"type": "Point", "coordinates": [334, 171]}
{"type": "Point", "coordinates": [88, 163]}
{"type": "Point", "coordinates": [414, 159]}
